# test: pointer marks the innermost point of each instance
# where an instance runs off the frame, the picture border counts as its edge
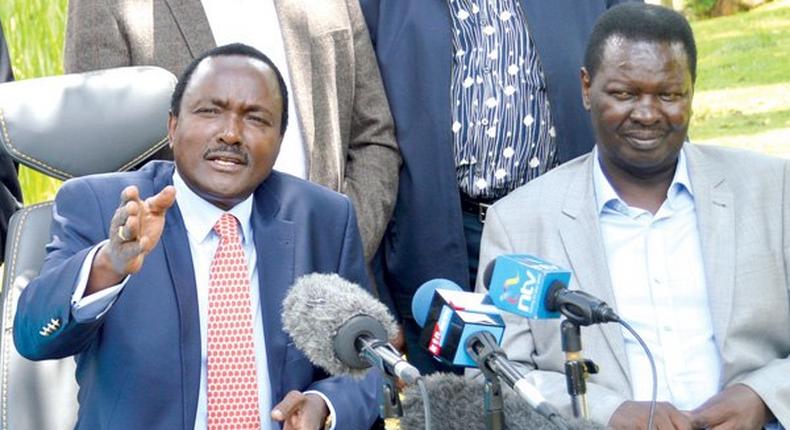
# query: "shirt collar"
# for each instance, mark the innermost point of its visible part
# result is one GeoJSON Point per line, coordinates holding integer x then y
{"type": "Point", "coordinates": [606, 196]}
{"type": "Point", "coordinates": [200, 215]}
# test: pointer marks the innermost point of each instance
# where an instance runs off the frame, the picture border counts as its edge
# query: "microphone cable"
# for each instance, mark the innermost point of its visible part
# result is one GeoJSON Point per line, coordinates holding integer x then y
{"type": "Point", "coordinates": [654, 392]}
{"type": "Point", "coordinates": [426, 404]}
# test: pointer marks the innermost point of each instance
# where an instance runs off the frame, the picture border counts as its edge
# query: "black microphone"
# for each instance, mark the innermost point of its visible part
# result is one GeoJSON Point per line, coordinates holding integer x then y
{"type": "Point", "coordinates": [533, 288]}
{"type": "Point", "coordinates": [457, 404]}
{"type": "Point", "coordinates": [341, 328]}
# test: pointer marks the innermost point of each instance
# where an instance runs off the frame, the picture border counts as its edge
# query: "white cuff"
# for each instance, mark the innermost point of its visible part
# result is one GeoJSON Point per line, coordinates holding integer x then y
{"type": "Point", "coordinates": [85, 309]}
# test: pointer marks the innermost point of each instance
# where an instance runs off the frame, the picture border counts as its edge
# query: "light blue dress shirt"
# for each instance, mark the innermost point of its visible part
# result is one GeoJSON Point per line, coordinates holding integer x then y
{"type": "Point", "coordinates": [657, 272]}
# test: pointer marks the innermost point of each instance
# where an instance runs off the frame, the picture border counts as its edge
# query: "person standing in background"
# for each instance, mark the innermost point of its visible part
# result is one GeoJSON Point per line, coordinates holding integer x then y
{"type": "Point", "coordinates": [10, 191]}
{"type": "Point", "coordinates": [485, 97]}
{"type": "Point", "coordinates": [342, 134]}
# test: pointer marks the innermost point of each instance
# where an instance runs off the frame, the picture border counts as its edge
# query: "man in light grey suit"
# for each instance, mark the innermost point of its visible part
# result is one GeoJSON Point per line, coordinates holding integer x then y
{"type": "Point", "coordinates": [690, 244]}
{"type": "Point", "coordinates": [343, 135]}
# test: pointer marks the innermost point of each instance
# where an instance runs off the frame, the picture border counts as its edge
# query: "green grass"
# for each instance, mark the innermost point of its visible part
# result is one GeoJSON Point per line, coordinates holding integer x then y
{"type": "Point", "coordinates": [34, 32]}
{"type": "Point", "coordinates": [743, 88]}
{"type": "Point", "coordinates": [746, 49]}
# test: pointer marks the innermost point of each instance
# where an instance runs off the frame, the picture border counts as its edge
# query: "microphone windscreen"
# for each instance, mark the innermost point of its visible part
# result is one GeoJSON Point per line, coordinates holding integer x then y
{"type": "Point", "coordinates": [487, 272]}
{"type": "Point", "coordinates": [457, 404]}
{"type": "Point", "coordinates": [317, 306]}
{"type": "Point", "coordinates": [421, 301]}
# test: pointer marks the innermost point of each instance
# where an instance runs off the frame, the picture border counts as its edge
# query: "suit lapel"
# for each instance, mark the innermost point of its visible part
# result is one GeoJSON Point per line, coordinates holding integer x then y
{"type": "Point", "coordinates": [716, 222]}
{"type": "Point", "coordinates": [581, 238]}
{"type": "Point", "coordinates": [182, 274]}
{"type": "Point", "coordinates": [274, 245]}
{"type": "Point", "coordinates": [296, 34]}
{"type": "Point", "coordinates": [192, 22]}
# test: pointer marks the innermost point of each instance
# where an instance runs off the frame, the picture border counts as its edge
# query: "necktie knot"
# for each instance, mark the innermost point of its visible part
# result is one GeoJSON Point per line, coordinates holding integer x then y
{"type": "Point", "coordinates": [227, 227]}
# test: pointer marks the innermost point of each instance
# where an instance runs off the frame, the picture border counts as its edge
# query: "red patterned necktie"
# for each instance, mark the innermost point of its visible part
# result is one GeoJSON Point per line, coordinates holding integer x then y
{"type": "Point", "coordinates": [232, 381]}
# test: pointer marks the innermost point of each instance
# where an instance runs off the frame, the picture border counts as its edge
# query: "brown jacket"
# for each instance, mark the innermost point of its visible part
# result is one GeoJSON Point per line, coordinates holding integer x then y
{"type": "Point", "coordinates": [341, 103]}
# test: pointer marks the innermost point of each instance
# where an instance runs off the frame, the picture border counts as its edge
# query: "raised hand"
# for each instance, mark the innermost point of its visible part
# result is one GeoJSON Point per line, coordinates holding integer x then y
{"type": "Point", "coordinates": [135, 229]}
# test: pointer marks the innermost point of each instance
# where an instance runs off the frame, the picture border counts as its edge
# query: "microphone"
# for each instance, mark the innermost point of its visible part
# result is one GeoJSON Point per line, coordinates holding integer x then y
{"type": "Point", "coordinates": [341, 328]}
{"type": "Point", "coordinates": [457, 318]}
{"type": "Point", "coordinates": [485, 350]}
{"type": "Point", "coordinates": [449, 316]}
{"type": "Point", "coordinates": [527, 286]}
{"type": "Point", "coordinates": [457, 404]}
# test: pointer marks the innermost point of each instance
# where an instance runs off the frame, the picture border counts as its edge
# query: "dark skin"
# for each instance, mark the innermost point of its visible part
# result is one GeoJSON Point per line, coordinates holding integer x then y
{"type": "Point", "coordinates": [225, 141]}
{"type": "Point", "coordinates": [640, 104]}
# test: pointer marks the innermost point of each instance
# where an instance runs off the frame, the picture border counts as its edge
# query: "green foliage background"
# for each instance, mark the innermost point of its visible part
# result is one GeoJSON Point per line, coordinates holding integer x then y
{"type": "Point", "coordinates": [34, 32]}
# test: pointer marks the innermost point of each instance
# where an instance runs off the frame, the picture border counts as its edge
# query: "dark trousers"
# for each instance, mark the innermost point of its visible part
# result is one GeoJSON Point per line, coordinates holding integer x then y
{"type": "Point", "coordinates": [417, 355]}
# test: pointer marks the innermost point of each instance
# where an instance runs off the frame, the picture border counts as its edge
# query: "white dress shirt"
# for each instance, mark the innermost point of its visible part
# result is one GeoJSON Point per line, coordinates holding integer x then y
{"type": "Point", "coordinates": [199, 219]}
{"type": "Point", "coordinates": [658, 277]}
{"type": "Point", "coordinates": [255, 23]}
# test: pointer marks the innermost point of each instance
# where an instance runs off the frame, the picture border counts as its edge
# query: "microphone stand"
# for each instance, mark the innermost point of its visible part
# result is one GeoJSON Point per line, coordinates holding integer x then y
{"type": "Point", "coordinates": [390, 406]}
{"type": "Point", "coordinates": [493, 402]}
{"type": "Point", "coordinates": [577, 369]}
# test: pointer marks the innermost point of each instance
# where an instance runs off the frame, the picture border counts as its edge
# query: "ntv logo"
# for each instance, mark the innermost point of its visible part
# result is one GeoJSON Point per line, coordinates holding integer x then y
{"type": "Point", "coordinates": [525, 294]}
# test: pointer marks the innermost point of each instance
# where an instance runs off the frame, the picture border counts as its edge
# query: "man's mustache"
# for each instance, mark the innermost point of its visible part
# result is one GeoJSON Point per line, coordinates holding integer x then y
{"type": "Point", "coordinates": [234, 151]}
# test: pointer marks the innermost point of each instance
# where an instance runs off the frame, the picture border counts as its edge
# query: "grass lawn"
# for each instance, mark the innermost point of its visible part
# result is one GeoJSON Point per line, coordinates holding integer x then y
{"type": "Point", "coordinates": [743, 89]}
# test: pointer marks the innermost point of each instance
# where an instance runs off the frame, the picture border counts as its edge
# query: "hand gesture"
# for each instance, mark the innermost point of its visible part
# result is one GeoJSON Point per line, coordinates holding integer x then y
{"type": "Point", "coordinates": [135, 230]}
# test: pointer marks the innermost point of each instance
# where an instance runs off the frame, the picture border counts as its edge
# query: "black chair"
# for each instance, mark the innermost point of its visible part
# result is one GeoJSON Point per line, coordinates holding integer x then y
{"type": "Point", "coordinates": [65, 126]}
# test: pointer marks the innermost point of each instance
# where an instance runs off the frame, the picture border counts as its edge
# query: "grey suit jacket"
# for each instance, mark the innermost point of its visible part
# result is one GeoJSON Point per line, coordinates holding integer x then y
{"type": "Point", "coordinates": [743, 209]}
{"type": "Point", "coordinates": [339, 96]}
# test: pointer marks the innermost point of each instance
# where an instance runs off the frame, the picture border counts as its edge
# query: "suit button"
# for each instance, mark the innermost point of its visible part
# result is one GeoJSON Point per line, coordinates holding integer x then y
{"type": "Point", "coordinates": [51, 327]}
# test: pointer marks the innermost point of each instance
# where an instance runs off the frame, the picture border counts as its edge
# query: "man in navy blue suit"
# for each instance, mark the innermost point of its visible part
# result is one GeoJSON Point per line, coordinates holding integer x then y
{"type": "Point", "coordinates": [485, 97]}
{"type": "Point", "coordinates": [126, 288]}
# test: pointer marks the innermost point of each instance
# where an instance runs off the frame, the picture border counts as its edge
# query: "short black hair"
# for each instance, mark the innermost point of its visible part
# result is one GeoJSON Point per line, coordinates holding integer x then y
{"type": "Point", "coordinates": [239, 49]}
{"type": "Point", "coordinates": [644, 23]}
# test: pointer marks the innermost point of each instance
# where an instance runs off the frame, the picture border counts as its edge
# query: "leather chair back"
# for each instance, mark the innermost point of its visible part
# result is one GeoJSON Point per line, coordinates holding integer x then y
{"type": "Point", "coordinates": [65, 126]}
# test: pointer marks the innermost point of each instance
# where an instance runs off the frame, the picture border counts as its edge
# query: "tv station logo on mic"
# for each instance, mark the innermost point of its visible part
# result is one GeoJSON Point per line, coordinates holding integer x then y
{"type": "Point", "coordinates": [451, 317]}
{"type": "Point", "coordinates": [439, 329]}
{"type": "Point", "coordinates": [519, 284]}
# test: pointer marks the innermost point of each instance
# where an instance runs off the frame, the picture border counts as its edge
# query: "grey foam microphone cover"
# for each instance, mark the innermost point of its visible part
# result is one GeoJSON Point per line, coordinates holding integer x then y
{"type": "Point", "coordinates": [457, 404]}
{"type": "Point", "coordinates": [317, 306]}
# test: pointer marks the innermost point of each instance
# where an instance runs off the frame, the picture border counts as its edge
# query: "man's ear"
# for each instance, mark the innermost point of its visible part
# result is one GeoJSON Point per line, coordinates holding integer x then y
{"type": "Point", "coordinates": [172, 122]}
{"type": "Point", "coordinates": [584, 75]}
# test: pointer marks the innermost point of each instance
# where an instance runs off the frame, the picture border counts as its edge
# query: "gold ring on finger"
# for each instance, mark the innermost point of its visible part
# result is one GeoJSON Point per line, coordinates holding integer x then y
{"type": "Point", "coordinates": [121, 234]}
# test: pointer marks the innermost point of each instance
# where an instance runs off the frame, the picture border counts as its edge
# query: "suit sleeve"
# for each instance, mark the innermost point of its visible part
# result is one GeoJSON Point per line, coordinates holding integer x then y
{"type": "Point", "coordinates": [519, 344]}
{"type": "Point", "coordinates": [370, 10]}
{"type": "Point", "coordinates": [355, 400]}
{"type": "Point", "coordinates": [94, 39]}
{"type": "Point", "coordinates": [46, 301]}
{"type": "Point", "coordinates": [770, 382]}
{"type": "Point", "coordinates": [373, 159]}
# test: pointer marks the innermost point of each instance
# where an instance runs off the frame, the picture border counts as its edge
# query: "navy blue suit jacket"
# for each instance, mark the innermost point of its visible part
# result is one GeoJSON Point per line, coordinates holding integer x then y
{"type": "Point", "coordinates": [138, 366]}
{"type": "Point", "coordinates": [413, 44]}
